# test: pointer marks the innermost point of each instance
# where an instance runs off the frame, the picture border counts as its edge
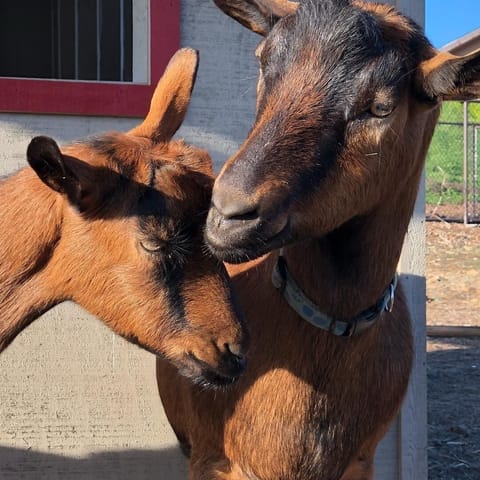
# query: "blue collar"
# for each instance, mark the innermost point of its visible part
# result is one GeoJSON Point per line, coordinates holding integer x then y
{"type": "Point", "coordinates": [282, 280]}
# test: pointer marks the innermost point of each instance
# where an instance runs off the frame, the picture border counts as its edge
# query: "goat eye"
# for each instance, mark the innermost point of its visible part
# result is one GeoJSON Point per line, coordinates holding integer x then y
{"type": "Point", "coordinates": [381, 110]}
{"type": "Point", "coordinates": [153, 246]}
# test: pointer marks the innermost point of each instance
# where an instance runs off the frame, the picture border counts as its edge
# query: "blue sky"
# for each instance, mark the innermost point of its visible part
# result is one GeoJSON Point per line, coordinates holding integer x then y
{"type": "Point", "coordinates": [446, 20]}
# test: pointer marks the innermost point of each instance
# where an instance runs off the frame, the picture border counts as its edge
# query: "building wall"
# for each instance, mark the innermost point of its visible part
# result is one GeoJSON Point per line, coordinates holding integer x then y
{"type": "Point", "coordinates": [77, 399]}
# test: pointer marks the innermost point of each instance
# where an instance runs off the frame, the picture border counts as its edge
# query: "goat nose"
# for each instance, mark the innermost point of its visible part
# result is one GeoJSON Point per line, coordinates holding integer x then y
{"type": "Point", "coordinates": [235, 349]}
{"type": "Point", "coordinates": [235, 355]}
{"type": "Point", "coordinates": [233, 204]}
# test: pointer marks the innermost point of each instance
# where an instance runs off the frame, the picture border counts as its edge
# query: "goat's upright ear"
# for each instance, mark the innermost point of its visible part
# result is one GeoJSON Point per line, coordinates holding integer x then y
{"type": "Point", "coordinates": [171, 98]}
{"type": "Point", "coordinates": [448, 77]}
{"type": "Point", "coordinates": [83, 185]}
{"type": "Point", "coordinates": [257, 15]}
{"type": "Point", "coordinates": [45, 157]}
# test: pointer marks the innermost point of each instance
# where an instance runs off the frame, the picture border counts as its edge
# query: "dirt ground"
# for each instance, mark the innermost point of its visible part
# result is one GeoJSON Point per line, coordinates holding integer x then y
{"type": "Point", "coordinates": [453, 364]}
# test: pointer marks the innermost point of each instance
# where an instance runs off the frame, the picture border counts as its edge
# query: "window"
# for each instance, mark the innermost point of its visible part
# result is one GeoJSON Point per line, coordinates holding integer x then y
{"type": "Point", "coordinates": [89, 57]}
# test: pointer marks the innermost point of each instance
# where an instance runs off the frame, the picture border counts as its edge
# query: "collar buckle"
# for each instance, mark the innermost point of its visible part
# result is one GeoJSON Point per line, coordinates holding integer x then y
{"type": "Point", "coordinates": [391, 297]}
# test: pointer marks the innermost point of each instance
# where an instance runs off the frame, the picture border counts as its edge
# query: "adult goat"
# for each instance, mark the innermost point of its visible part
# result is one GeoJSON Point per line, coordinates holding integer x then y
{"type": "Point", "coordinates": [348, 97]}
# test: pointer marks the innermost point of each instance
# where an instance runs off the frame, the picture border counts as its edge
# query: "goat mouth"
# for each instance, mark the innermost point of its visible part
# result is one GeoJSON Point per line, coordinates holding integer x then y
{"type": "Point", "coordinates": [239, 249]}
{"type": "Point", "coordinates": [206, 376]}
{"type": "Point", "coordinates": [214, 380]}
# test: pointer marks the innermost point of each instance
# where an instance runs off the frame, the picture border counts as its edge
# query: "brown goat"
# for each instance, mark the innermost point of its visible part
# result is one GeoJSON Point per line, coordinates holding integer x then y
{"type": "Point", "coordinates": [115, 223]}
{"type": "Point", "coordinates": [348, 97]}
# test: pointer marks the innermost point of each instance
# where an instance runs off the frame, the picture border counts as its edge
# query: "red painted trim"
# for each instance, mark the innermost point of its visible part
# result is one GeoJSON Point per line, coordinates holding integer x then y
{"type": "Point", "coordinates": [100, 98]}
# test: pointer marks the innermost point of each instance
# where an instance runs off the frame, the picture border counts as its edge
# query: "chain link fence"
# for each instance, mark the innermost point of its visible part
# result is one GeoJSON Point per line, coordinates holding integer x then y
{"type": "Point", "coordinates": [452, 177]}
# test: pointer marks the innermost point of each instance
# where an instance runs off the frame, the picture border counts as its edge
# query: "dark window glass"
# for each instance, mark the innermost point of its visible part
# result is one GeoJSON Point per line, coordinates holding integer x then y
{"type": "Point", "coordinates": [66, 39]}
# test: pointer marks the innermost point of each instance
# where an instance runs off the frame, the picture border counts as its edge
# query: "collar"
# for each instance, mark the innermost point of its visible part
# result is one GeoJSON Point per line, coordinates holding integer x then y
{"type": "Point", "coordinates": [282, 280]}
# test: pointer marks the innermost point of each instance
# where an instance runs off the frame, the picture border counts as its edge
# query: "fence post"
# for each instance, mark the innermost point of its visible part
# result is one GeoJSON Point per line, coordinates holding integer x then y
{"type": "Point", "coordinates": [412, 432]}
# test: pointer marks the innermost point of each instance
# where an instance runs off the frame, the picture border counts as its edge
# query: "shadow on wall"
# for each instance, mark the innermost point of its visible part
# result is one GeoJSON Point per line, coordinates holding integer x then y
{"type": "Point", "coordinates": [165, 464]}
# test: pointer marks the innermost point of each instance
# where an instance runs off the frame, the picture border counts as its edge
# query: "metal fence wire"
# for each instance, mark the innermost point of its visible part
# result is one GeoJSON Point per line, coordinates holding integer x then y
{"type": "Point", "coordinates": [452, 177]}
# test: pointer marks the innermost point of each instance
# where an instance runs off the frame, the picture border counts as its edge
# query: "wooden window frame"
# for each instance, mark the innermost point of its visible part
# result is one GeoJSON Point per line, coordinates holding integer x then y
{"type": "Point", "coordinates": [72, 97]}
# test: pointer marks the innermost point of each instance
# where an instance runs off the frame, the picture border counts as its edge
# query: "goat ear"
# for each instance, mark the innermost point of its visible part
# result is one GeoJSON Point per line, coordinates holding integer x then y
{"type": "Point", "coordinates": [448, 77]}
{"type": "Point", "coordinates": [45, 157]}
{"type": "Point", "coordinates": [171, 98]}
{"type": "Point", "coordinates": [257, 15]}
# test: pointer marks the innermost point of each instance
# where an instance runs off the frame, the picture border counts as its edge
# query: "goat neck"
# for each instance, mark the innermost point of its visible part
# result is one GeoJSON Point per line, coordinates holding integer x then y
{"type": "Point", "coordinates": [25, 291]}
{"type": "Point", "coordinates": [346, 271]}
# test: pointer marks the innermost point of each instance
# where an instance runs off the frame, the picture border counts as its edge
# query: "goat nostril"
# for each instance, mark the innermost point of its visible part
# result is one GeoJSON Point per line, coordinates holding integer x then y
{"type": "Point", "coordinates": [234, 205]}
{"type": "Point", "coordinates": [237, 212]}
{"type": "Point", "coordinates": [235, 351]}
{"type": "Point", "coordinates": [245, 216]}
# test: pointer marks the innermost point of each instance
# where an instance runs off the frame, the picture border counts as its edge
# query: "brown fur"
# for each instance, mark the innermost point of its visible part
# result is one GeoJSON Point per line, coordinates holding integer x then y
{"type": "Point", "coordinates": [311, 405]}
{"type": "Point", "coordinates": [77, 226]}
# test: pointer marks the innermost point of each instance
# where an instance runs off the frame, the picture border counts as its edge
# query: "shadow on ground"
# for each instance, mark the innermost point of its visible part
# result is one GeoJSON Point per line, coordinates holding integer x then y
{"type": "Point", "coordinates": [165, 464]}
{"type": "Point", "coordinates": [453, 369]}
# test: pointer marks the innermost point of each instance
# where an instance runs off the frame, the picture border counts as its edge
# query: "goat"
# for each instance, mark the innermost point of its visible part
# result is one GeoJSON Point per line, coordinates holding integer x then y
{"type": "Point", "coordinates": [347, 100]}
{"type": "Point", "coordinates": [115, 223]}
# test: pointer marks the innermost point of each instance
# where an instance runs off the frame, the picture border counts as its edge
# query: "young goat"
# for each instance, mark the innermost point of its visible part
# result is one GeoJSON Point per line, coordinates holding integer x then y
{"type": "Point", "coordinates": [115, 224]}
{"type": "Point", "coordinates": [348, 97]}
